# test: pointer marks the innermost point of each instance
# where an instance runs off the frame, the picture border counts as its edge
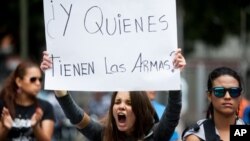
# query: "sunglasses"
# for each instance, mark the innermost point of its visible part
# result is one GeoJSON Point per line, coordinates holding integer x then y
{"type": "Point", "coordinates": [34, 79]}
{"type": "Point", "coordinates": [221, 91]}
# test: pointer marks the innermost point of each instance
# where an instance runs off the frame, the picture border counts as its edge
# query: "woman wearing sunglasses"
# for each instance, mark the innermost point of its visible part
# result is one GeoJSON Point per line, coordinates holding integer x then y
{"type": "Point", "coordinates": [24, 117]}
{"type": "Point", "coordinates": [224, 90]}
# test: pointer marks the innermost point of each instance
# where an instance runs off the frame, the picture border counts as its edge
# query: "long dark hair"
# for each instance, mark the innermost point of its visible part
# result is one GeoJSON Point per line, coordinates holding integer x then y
{"type": "Point", "coordinates": [10, 88]}
{"type": "Point", "coordinates": [215, 74]}
{"type": "Point", "coordinates": [144, 113]}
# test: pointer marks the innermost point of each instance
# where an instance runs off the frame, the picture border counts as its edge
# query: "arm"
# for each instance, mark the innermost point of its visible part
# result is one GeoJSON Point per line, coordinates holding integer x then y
{"type": "Point", "coordinates": [70, 108]}
{"type": "Point", "coordinates": [91, 129]}
{"type": "Point", "coordinates": [171, 115]}
{"type": "Point", "coordinates": [170, 118]}
{"type": "Point", "coordinates": [76, 115]}
{"type": "Point", "coordinates": [72, 111]}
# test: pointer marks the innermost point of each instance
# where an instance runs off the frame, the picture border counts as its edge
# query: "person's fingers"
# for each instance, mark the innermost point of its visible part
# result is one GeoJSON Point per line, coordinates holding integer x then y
{"type": "Point", "coordinates": [45, 53]}
{"type": "Point", "coordinates": [179, 61]}
{"type": "Point", "coordinates": [46, 61]}
{"type": "Point", "coordinates": [45, 65]}
{"type": "Point", "coordinates": [178, 50]}
{"type": "Point", "coordinates": [46, 58]}
{"type": "Point", "coordinates": [37, 116]}
{"type": "Point", "coordinates": [39, 111]}
{"type": "Point", "coordinates": [5, 111]}
{"type": "Point", "coordinates": [177, 55]}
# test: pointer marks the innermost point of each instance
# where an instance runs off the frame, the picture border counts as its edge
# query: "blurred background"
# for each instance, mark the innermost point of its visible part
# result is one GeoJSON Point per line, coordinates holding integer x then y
{"type": "Point", "coordinates": [211, 33]}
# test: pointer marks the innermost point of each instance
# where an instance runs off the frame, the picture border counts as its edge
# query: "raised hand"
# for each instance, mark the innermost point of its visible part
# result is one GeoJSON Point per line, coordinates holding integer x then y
{"type": "Point", "coordinates": [179, 60]}
{"type": "Point", "coordinates": [6, 118]}
{"type": "Point", "coordinates": [46, 61]}
{"type": "Point", "coordinates": [36, 117]}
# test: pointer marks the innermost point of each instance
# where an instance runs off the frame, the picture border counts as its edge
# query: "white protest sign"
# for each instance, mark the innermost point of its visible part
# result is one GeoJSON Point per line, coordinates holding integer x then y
{"type": "Point", "coordinates": [111, 45]}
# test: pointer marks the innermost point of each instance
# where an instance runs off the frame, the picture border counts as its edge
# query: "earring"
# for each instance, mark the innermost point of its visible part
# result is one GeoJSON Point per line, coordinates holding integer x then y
{"type": "Point", "coordinates": [19, 91]}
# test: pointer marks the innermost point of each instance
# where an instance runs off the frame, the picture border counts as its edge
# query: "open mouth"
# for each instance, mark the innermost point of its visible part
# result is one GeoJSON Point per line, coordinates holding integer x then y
{"type": "Point", "coordinates": [122, 118]}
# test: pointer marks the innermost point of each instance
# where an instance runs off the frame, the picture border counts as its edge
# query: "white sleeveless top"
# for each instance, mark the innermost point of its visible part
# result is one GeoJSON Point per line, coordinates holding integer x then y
{"type": "Point", "coordinates": [201, 134]}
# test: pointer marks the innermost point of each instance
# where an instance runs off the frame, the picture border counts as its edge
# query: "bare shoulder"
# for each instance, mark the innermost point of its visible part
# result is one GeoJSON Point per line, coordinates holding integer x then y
{"type": "Point", "coordinates": [192, 138]}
